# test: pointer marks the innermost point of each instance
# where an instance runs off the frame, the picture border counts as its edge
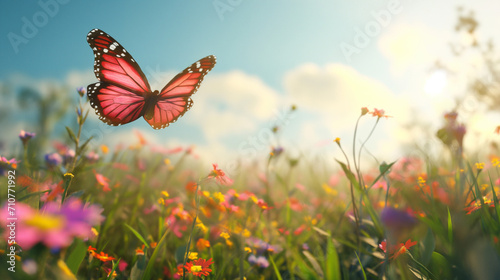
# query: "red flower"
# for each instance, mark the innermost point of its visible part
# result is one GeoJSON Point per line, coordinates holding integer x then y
{"type": "Point", "coordinates": [199, 267]}
{"type": "Point", "coordinates": [397, 250]}
{"type": "Point", "coordinates": [103, 257]}
{"type": "Point", "coordinates": [220, 176]}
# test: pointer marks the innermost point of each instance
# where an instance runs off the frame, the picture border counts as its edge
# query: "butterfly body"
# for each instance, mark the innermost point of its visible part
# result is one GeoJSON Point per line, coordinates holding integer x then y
{"type": "Point", "coordinates": [123, 94]}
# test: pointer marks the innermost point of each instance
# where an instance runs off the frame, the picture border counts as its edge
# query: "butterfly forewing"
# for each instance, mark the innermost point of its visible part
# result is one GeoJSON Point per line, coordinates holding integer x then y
{"type": "Point", "coordinates": [113, 64]}
{"type": "Point", "coordinates": [174, 99]}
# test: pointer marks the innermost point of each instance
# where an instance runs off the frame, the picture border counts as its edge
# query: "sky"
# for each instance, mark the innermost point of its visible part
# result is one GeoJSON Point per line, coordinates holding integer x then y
{"type": "Point", "coordinates": [329, 58]}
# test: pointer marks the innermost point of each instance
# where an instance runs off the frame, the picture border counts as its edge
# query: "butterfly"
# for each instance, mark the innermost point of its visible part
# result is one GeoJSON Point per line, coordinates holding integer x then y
{"type": "Point", "coordinates": [123, 94]}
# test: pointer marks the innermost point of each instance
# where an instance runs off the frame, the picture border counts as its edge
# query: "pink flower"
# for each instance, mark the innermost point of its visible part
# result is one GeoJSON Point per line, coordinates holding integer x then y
{"type": "Point", "coordinates": [103, 181]}
{"type": "Point", "coordinates": [55, 226]}
{"type": "Point", "coordinates": [220, 176]}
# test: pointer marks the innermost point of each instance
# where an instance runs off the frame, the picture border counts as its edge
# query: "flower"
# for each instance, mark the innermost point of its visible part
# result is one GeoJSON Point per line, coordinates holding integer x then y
{"type": "Point", "coordinates": [26, 136]}
{"type": "Point", "coordinates": [103, 181]}
{"type": "Point", "coordinates": [53, 159]}
{"type": "Point", "coordinates": [220, 176]}
{"type": "Point", "coordinates": [397, 250]}
{"type": "Point", "coordinates": [364, 111]}
{"type": "Point", "coordinates": [54, 225]}
{"type": "Point", "coordinates": [7, 164]}
{"type": "Point", "coordinates": [199, 267]}
{"type": "Point", "coordinates": [103, 257]}
{"type": "Point", "coordinates": [81, 91]}
{"type": "Point", "coordinates": [260, 261]}
{"type": "Point", "coordinates": [397, 220]}
{"type": "Point", "coordinates": [92, 157]}
{"type": "Point", "coordinates": [379, 113]}
{"type": "Point", "coordinates": [202, 244]}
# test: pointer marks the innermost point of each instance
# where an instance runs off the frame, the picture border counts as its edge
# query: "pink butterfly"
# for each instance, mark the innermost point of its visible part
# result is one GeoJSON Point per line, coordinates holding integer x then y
{"type": "Point", "coordinates": [123, 95]}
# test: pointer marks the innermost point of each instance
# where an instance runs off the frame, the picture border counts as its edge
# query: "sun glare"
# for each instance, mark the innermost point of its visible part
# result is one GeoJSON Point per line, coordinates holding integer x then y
{"type": "Point", "coordinates": [436, 83]}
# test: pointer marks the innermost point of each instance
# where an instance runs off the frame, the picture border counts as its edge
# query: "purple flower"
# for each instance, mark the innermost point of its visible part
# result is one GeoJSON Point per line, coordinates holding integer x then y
{"type": "Point", "coordinates": [395, 219]}
{"type": "Point", "coordinates": [260, 261]}
{"type": "Point", "coordinates": [81, 91]}
{"type": "Point", "coordinates": [261, 246]}
{"type": "Point", "coordinates": [26, 136]}
{"type": "Point", "coordinates": [53, 159]}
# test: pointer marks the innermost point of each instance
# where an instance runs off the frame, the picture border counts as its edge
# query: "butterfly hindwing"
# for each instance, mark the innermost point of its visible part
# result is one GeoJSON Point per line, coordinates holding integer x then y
{"type": "Point", "coordinates": [115, 105]}
{"type": "Point", "coordinates": [174, 99]}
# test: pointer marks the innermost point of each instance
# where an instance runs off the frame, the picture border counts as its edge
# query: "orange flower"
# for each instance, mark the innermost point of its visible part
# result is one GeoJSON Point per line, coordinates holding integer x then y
{"type": "Point", "coordinates": [202, 244]}
{"type": "Point", "coordinates": [103, 257]}
{"type": "Point", "coordinates": [199, 267]}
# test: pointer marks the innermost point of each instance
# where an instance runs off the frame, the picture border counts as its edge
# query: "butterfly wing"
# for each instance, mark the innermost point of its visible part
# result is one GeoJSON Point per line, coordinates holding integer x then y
{"type": "Point", "coordinates": [115, 105]}
{"type": "Point", "coordinates": [174, 99]}
{"type": "Point", "coordinates": [122, 82]}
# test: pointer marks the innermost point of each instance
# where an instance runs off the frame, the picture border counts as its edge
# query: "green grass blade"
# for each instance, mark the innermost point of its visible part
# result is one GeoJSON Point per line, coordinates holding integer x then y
{"type": "Point", "coordinates": [332, 265]}
{"type": "Point", "coordinates": [276, 270]}
{"type": "Point", "coordinates": [138, 235]}
{"type": "Point", "coordinates": [361, 265]}
{"type": "Point", "coordinates": [151, 261]}
{"type": "Point", "coordinates": [76, 256]}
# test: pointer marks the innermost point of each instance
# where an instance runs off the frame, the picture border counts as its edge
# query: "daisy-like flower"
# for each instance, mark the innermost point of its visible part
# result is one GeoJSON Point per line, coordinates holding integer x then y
{"type": "Point", "coordinates": [259, 261]}
{"type": "Point", "coordinates": [397, 250]}
{"type": "Point", "coordinates": [53, 159]}
{"type": "Point", "coordinates": [103, 257]}
{"type": "Point", "coordinates": [54, 225]}
{"type": "Point", "coordinates": [379, 113]}
{"type": "Point", "coordinates": [199, 267]}
{"type": "Point", "coordinates": [220, 176]}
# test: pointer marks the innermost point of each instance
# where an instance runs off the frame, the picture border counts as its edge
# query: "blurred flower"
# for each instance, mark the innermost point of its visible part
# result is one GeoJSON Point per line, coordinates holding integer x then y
{"type": "Point", "coordinates": [364, 111]}
{"type": "Point", "coordinates": [92, 157]}
{"type": "Point", "coordinates": [68, 156]}
{"type": "Point", "coordinates": [193, 255]}
{"type": "Point", "coordinates": [260, 261]}
{"type": "Point", "coordinates": [397, 250]}
{"type": "Point", "coordinates": [53, 160]}
{"type": "Point", "coordinates": [276, 151]}
{"type": "Point", "coordinates": [81, 91]}
{"type": "Point", "coordinates": [103, 257]}
{"type": "Point", "coordinates": [6, 164]}
{"type": "Point", "coordinates": [103, 181]}
{"type": "Point", "coordinates": [379, 113]}
{"type": "Point", "coordinates": [202, 244]}
{"type": "Point", "coordinates": [220, 176]}
{"type": "Point", "coordinates": [199, 267]}
{"type": "Point", "coordinates": [30, 266]}
{"type": "Point", "coordinates": [397, 220]}
{"type": "Point", "coordinates": [26, 136]}
{"type": "Point", "coordinates": [54, 225]}
{"type": "Point", "coordinates": [104, 149]}
{"type": "Point", "coordinates": [479, 166]}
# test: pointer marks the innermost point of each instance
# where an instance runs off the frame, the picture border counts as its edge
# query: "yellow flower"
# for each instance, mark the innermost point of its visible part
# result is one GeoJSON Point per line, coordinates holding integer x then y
{"type": "Point", "coordinates": [104, 149]}
{"type": "Point", "coordinates": [193, 256]}
{"type": "Point", "coordinates": [94, 231]}
{"type": "Point", "coordinates": [246, 233]}
{"type": "Point", "coordinates": [329, 190]}
{"type": "Point", "coordinates": [165, 193]}
{"type": "Point", "coordinates": [480, 165]}
{"type": "Point", "coordinates": [337, 140]}
{"type": "Point", "coordinates": [248, 249]}
{"type": "Point", "coordinates": [219, 196]}
{"type": "Point", "coordinates": [421, 181]}
{"type": "Point", "coordinates": [225, 235]}
{"type": "Point", "coordinates": [495, 161]}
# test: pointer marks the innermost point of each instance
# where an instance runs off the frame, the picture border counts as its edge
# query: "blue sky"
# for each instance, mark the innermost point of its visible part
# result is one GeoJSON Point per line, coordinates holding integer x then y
{"type": "Point", "coordinates": [271, 54]}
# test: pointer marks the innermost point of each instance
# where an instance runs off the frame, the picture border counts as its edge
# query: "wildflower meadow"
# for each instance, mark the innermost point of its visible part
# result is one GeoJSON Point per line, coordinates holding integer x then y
{"type": "Point", "coordinates": [76, 207]}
